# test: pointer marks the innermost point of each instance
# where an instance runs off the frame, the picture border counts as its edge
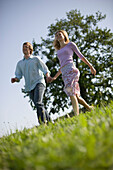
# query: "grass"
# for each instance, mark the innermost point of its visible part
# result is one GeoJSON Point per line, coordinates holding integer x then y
{"type": "Point", "coordinates": [79, 143]}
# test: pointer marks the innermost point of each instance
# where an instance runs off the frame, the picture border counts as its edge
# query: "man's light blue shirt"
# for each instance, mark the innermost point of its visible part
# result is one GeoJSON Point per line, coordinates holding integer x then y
{"type": "Point", "coordinates": [33, 70]}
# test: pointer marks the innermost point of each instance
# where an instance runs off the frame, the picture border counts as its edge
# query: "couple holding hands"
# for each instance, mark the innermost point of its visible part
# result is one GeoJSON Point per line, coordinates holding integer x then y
{"type": "Point", "coordinates": [33, 69]}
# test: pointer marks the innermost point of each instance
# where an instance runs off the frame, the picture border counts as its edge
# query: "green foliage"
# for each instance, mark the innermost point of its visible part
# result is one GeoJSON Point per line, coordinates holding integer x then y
{"type": "Point", "coordinates": [82, 142]}
{"type": "Point", "coordinates": [96, 45]}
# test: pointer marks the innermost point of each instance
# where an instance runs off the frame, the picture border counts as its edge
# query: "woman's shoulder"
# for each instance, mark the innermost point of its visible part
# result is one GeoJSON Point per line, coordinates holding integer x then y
{"type": "Point", "coordinates": [72, 43]}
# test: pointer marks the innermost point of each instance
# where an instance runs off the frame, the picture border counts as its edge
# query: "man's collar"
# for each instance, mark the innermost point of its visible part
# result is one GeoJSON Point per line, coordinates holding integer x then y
{"type": "Point", "coordinates": [28, 58]}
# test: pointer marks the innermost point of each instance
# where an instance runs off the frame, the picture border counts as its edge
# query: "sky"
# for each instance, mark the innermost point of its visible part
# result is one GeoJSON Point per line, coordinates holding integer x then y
{"type": "Point", "coordinates": [22, 21]}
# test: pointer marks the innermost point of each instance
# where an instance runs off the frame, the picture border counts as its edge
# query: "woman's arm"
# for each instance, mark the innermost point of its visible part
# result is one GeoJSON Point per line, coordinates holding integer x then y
{"type": "Point", "coordinates": [81, 56]}
{"type": "Point", "coordinates": [93, 71]}
{"type": "Point", "coordinates": [57, 74]}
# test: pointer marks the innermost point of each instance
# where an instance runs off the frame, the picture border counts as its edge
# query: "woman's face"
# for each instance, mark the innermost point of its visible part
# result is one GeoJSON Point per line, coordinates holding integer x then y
{"type": "Point", "coordinates": [60, 36]}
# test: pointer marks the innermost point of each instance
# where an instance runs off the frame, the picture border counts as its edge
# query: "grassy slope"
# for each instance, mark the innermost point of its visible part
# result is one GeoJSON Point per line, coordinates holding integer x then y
{"type": "Point", "coordinates": [83, 142]}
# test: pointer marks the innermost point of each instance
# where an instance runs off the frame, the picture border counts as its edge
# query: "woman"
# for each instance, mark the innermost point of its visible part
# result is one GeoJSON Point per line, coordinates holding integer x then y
{"type": "Point", "coordinates": [70, 74]}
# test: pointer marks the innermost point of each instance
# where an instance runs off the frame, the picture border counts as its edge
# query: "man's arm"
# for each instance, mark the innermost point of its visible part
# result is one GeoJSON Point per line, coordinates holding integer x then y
{"type": "Point", "coordinates": [18, 74]}
{"type": "Point", "coordinates": [43, 67]}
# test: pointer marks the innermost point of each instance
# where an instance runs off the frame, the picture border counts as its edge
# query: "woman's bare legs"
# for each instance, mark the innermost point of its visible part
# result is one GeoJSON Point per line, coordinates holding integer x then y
{"type": "Point", "coordinates": [83, 102]}
{"type": "Point", "coordinates": [75, 104]}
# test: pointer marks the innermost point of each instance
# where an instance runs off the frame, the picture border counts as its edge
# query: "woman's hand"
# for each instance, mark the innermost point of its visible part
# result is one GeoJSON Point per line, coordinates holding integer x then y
{"type": "Point", "coordinates": [93, 71]}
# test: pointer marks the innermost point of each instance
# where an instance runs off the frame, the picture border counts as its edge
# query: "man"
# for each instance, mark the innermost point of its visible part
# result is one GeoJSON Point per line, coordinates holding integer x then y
{"type": "Point", "coordinates": [33, 69]}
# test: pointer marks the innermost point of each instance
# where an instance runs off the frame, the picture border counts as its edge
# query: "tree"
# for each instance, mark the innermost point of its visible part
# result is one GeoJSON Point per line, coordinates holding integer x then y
{"type": "Point", "coordinates": [95, 44]}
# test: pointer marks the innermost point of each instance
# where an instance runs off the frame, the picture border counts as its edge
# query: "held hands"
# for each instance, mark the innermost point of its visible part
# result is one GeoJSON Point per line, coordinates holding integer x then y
{"type": "Point", "coordinates": [50, 79]}
{"type": "Point", "coordinates": [55, 77]}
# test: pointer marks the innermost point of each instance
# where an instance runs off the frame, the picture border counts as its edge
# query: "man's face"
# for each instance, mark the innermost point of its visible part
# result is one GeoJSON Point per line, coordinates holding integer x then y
{"type": "Point", "coordinates": [26, 49]}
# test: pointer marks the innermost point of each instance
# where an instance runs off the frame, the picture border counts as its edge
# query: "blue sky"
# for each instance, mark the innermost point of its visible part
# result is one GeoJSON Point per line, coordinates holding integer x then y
{"type": "Point", "coordinates": [25, 20]}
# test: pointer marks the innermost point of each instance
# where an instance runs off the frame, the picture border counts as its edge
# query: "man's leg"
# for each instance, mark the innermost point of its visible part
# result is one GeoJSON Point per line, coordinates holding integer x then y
{"type": "Point", "coordinates": [38, 100]}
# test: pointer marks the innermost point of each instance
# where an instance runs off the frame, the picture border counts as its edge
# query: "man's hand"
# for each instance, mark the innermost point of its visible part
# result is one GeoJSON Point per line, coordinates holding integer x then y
{"type": "Point", "coordinates": [13, 80]}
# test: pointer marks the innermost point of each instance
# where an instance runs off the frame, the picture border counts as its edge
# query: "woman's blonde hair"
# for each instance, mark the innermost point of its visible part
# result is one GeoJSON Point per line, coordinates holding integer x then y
{"type": "Point", "coordinates": [30, 46]}
{"type": "Point", "coordinates": [56, 43]}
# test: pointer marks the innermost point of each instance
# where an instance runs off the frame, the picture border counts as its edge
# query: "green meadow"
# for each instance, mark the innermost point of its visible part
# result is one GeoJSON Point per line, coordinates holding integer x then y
{"type": "Point", "coordinates": [83, 142]}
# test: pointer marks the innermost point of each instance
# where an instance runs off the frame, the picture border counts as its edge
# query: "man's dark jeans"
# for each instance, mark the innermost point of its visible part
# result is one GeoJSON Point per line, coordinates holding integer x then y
{"type": "Point", "coordinates": [36, 96]}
